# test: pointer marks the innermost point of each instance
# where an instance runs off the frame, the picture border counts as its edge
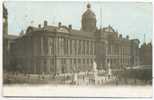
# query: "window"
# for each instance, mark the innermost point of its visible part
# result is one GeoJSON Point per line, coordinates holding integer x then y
{"type": "Point", "coordinates": [83, 61]}
{"type": "Point", "coordinates": [79, 61]}
{"type": "Point", "coordinates": [74, 61]}
{"type": "Point", "coordinates": [87, 61]}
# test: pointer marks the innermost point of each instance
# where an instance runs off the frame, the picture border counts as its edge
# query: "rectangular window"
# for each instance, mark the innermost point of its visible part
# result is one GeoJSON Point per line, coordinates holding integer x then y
{"type": "Point", "coordinates": [83, 61]}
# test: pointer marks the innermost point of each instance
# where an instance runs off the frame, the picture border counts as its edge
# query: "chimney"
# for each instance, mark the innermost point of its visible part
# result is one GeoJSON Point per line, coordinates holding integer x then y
{"type": "Point", "coordinates": [39, 26]}
{"type": "Point", "coordinates": [59, 24]}
{"type": "Point", "coordinates": [70, 27]}
{"type": "Point", "coordinates": [120, 36]}
{"type": "Point", "coordinates": [22, 33]}
{"type": "Point", "coordinates": [45, 23]}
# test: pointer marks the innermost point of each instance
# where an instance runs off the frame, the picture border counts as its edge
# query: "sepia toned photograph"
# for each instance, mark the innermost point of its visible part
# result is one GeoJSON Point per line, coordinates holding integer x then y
{"type": "Point", "coordinates": [77, 49]}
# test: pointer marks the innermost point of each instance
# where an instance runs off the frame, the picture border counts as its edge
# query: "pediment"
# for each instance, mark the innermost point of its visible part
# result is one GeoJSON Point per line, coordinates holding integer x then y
{"type": "Point", "coordinates": [63, 29]}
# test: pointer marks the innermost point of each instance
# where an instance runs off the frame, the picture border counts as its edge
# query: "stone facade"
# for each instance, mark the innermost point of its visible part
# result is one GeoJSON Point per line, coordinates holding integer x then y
{"type": "Point", "coordinates": [7, 40]}
{"type": "Point", "coordinates": [54, 49]}
{"type": "Point", "coordinates": [5, 28]}
{"type": "Point", "coordinates": [146, 54]}
{"type": "Point", "coordinates": [135, 52]}
{"type": "Point", "coordinates": [62, 49]}
{"type": "Point", "coordinates": [115, 49]}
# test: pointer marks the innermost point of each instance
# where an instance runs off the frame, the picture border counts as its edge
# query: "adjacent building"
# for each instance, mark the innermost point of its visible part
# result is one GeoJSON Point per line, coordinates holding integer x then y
{"type": "Point", "coordinates": [146, 54]}
{"type": "Point", "coordinates": [7, 40]}
{"type": "Point", "coordinates": [135, 52]}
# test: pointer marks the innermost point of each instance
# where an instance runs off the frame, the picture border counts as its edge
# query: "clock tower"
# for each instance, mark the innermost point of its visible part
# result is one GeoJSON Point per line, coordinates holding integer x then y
{"type": "Point", "coordinates": [88, 21]}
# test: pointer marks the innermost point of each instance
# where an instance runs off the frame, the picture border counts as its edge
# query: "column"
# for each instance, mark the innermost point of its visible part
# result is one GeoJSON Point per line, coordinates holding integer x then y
{"type": "Point", "coordinates": [93, 50]}
{"type": "Point", "coordinates": [87, 51]}
{"type": "Point", "coordinates": [67, 46]}
{"type": "Point", "coordinates": [74, 47]}
{"type": "Point", "coordinates": [50, 45]}
{"type": "Point", "coordinates": [89, 47]}
{"type": "Point", "coordinates": [81, 48]}
{"type": "Point", "coordinates": [60, 51]}
{"type": "Point", "coordinates": [42, 53]}
{"type": "Point", "coordinates": [81, 64]}
{"type": "Point", "coordinates": [68, 64]}
{"type": "Point", "coordinates": [70, 47]}
{"type": "Point", "coordinates": [77, 46]}
{"type": "Point", "coordinates": [68, 41]}
{"type": "Point", "coordinates": [79, 52]}
{"type": "Point", "coordinates": [85, 47]}
{"type": "Point", "coordinates": [57, 46]}
{"type": "Point", "coordinates": [71, 65]}
{"type": "Point", "coordinates": [62, 46]}
{"type": "Point", "coordinates": [77, 65]}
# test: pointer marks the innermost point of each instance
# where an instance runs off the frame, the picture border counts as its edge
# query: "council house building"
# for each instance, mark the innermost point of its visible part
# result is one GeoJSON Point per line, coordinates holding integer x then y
{"type": "Point", "coordinates": [61, 49]}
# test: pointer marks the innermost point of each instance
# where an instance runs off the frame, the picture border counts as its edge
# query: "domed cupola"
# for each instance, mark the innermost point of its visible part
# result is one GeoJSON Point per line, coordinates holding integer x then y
{"type": "Point", "coordinates": [89, 20]}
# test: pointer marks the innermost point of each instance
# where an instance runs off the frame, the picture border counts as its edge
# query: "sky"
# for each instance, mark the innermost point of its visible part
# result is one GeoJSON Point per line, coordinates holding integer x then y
{"type": "Point", "coordinates": [128, 18]}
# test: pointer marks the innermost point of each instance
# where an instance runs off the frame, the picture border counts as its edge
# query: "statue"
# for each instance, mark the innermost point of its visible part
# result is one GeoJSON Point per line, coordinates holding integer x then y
{"type": "Point", "coordinates": [75, 78]}
{"type": "Point", "coordinates": [109, 69]}
{"type": "Point", "coordinates": [95, 71]}
{"type": "Point", "coordinates": [94, 66]}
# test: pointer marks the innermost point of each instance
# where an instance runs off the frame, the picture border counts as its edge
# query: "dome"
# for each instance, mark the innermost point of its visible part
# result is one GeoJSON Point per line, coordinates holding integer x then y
{"type": "Point", "coordinates": [89, 13]}
{"type": "Point", "coordinates": [88, 20]}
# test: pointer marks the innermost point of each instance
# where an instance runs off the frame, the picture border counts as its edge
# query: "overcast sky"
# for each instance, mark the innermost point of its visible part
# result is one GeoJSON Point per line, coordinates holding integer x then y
{"type": "Point", "coordinates": [129, 18]}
